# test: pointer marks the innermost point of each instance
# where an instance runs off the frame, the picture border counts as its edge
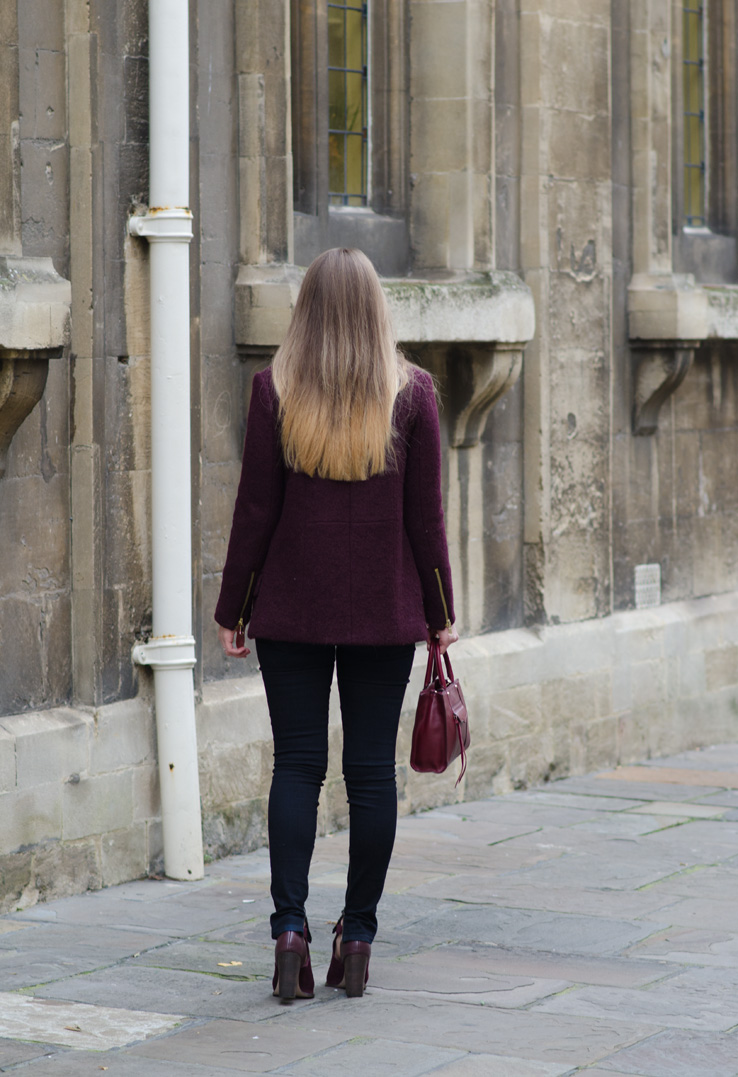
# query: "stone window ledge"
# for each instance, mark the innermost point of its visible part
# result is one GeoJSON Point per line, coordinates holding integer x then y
{"type": "Point", "coordinates": [487, 307]}
{"type": "Point", "coordinates": [484, 320]}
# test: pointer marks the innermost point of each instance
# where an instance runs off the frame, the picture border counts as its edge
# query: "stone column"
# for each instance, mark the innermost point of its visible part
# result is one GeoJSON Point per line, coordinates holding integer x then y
{"type": "Point", "coordinates": [566, 255]}
{"type": "Point", "coordinates": [87, 369]}
{"type": "Point", "coordinates": [452, 134]}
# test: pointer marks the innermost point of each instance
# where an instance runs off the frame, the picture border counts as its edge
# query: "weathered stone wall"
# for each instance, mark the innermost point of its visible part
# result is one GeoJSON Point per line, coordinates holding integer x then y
{"type": "Point", "coordinates": [35, 606]}
{"type": "Point", "coordinates": [674, 498]}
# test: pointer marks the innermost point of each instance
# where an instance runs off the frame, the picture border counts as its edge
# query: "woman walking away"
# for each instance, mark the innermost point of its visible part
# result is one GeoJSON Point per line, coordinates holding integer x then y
{"type": "Point", "coordinates": [337, 556]}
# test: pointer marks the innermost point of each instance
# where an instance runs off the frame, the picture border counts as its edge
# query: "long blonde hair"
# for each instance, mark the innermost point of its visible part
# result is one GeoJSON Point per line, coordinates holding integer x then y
{"type": "Point", "coordinates": [338, 372]}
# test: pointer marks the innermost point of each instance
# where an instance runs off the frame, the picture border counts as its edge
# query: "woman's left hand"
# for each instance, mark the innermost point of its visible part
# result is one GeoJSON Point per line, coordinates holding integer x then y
{"type": "Point", "coordinates": [445, 636]}
{"type": "Point", "coordinates": [227, 637]}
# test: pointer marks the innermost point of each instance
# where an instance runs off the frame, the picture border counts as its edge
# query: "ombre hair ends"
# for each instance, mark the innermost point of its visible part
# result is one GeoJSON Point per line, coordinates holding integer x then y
{"type": "Point", "coordinates": [339, 371]}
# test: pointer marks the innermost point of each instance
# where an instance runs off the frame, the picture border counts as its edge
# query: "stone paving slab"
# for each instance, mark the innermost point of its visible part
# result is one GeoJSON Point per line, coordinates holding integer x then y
{"type": "Point", "coordinates": [375, 1058]}
{"type": "Point", "coordinates": [714, 757]}
{"type": "Point", "coordinates": [677, 1053]}
{"type": "Point", "coordinates": [628, 825]}
{"type": "Point", "coordinates": [635, 790]}
{"type": "Point", "coordinates": [555, 796]}
{"type": "Point", "coordinates": [13, 1052]}
{"type": "Point", "coordinates": [96, 1027]}
{"type": "Point", "coordinates": [622, 866]}
{"type": "Point", "coordinates": [241, 1046]}
{"type": "Point", "coordinates": [679, 811]}
{"type": "Point", "coordinates": [597, 1072]}
{"type": "Point", "coordinates": [610, 971]}
{"type": "Point", "coordinates": [87, 1064]}
{"type": "Point", "coordinates": [522, 1033]}
{"type": "Point", "coordinates": [704, 913]}
{"type": "Point", "coordinates": [588, 926]}
{"type": "Point", "coordinates": [718, 839]}
{"type": "Point", "coordinates": [539, 929]}
{"type": "Point", "coordinates": [526, 894]}
{"type": "Point", "coordinates": [686, 1001]}
{"type": "Point", "coordinates": [168, 991]}
{"type": "Point", "coordinates": [46, 953]}
{"type": "Point", "coordinates": [480, 1065]}
{"type": "Point", "coordinates": [706, 881]}
{"type": "Point", "coordinates": [464, 973]}
{"type": "Point", "coordinates": [233, 961]}
{"type": "Point", "coordinates": [172, 915]}
{"type": "Point", "coordinates": [690, 946]}
{"type": "Point", "coordinates": [726, 797]}
{"type": "Point", "coordinates": [682, 776]}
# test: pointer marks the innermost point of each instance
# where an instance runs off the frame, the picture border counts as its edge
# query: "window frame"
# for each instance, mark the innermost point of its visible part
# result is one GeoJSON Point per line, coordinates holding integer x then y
{"type": "Point", "coordinates": [709, 251]}
{"type": "Point", "coordinates": [700, 9]}
{"type": "Point", "coordinates": [381, 227]}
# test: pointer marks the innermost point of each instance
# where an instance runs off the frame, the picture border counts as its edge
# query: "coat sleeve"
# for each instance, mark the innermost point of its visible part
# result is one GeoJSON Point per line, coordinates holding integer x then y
{"type": "Point", "coordinates": [258, 505]}
{"type": "Point", "coordinates": [423, 508]}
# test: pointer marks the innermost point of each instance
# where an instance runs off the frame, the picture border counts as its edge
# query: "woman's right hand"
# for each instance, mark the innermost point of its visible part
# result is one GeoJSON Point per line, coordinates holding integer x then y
{"type": "Point", "coordinates": [445, 636]}
{"type": "Point", "coordinates": [227, 637]}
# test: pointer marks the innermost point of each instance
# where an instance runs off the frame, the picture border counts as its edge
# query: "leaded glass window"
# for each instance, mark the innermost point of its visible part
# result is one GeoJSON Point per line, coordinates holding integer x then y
{"type": "Point", "coordinates": [695, 166]}
{"type": "Point", "coordinates": [347, 104]}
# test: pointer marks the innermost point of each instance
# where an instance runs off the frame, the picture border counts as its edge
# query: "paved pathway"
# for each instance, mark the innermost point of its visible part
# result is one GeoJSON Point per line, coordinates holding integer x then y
{"type": "Point", "coordinates": [590, 926]}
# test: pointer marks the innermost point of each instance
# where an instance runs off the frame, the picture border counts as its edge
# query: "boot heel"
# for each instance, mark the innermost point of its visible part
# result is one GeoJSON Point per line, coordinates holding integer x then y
{"type": "Point", "coordinates": [288, 972]}
{"type": "Point", "coordinates": [355, 967]}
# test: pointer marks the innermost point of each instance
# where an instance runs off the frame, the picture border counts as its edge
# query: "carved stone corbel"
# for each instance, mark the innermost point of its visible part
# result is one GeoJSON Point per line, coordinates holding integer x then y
{"type": "Point", "coordinates": [659, 368]}
{"type": "Point", "coordinates": [34, 327]}
{"type": "Point", "coordinates": [22, 382]}
{"type": "Point", "coordinates": [482, 373]}
{"type": "Point", "coordinates": [668, 317]}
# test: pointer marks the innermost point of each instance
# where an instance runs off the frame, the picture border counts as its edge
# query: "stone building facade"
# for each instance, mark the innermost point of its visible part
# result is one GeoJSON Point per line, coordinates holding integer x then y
{"type": "Point", "coordinates": [549, 189]}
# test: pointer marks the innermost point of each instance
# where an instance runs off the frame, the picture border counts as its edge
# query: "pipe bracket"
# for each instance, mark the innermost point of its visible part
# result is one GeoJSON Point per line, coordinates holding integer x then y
{"type": "Point", "coordinates": [165, 652]}
{"type": "Point", "coordinates": [163, 225]}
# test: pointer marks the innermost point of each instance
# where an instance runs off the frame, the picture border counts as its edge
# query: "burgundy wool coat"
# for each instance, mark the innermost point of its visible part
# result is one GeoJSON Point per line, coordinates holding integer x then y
{"type": "Point", "coordinates": [314, 560]}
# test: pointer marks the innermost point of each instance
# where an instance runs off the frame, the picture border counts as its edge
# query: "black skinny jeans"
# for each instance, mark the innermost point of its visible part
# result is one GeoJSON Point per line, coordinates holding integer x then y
{"type": "Point", "coordinates": [371, 684]}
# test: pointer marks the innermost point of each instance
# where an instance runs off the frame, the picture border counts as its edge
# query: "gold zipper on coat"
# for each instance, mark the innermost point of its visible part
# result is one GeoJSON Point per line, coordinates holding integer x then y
{"type": "Point", "coordinates": [240, 625]}
{"type": "Point", "coordinates": [443, 597]}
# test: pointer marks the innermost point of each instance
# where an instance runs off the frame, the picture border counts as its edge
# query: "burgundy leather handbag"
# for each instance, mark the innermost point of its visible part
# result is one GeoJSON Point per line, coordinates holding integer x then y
{"type": "Point", "coordinates": [441, 730]}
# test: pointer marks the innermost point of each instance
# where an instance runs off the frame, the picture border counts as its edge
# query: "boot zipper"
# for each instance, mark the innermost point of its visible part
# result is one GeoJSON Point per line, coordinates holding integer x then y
{"type": "Point", "coordinates": [443, 597]}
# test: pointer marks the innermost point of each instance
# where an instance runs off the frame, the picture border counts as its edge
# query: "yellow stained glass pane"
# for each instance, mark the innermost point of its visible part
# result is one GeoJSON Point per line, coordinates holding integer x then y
{"type": "Point", "coordinates": [354, 102]}
{"type": "Point", "coordinates": [355, 164]}
{"type": "Point", "coordinates": [336, 166]}
{"type": "Point", "coordinates": [335, 37]}
{"type": "Point", "coordinates": [336, 100]}
{"type": "Point", "coordinates": [354, 39]}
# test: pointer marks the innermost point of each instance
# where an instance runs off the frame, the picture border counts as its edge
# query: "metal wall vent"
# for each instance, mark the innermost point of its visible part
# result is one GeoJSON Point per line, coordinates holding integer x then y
{"type": "Point", "coordinates": [647, 586]}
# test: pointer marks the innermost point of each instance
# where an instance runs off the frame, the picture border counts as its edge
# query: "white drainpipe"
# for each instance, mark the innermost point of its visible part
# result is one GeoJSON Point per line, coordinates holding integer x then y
{"type": "Point", "coordinates": [168, 227]}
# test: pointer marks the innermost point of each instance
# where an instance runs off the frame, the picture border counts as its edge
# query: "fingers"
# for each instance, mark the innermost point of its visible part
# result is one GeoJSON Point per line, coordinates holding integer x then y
{"type": "Point", "coordinates": [446, 637]}
{"type": "Point", "coordinates": [227, 637]}
{"type": "Point", "coordinates": [236, 652]}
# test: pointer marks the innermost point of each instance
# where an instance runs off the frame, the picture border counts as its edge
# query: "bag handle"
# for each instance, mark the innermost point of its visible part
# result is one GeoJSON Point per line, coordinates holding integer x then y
{"type": "Point", "coordinates": [449, 671]}
{"type": "Point", "coordinates": [436, 654]}
{"type": "Point", "coordinates": [434, 669]}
